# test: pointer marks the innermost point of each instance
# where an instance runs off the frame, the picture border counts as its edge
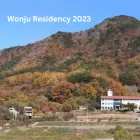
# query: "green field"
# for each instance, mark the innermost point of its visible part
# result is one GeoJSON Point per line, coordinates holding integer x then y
{"type": "Point", "coordinates": [24, 133]}
{"type": "Point", "coordinates": [59, 134]}
{"type": "Point", "coordinates": [27, 133]}
{"type": "Point", "coordinates": [53, 123]}
{"type": "Point", "coordinates": [64, 131]}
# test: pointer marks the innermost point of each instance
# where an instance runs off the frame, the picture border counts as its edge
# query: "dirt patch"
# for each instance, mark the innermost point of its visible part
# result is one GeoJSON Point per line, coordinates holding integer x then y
{"type": "Point", "coordinates": [107, 116]}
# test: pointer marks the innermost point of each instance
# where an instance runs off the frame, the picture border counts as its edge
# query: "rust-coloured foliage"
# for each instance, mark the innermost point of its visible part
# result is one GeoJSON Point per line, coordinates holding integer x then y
{"type": "Point", "coordinates": [62, 91]}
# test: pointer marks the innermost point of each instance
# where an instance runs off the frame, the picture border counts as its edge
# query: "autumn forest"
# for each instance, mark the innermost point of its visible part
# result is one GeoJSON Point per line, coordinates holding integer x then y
{"type": "Point", "coordinates": [66, 70]}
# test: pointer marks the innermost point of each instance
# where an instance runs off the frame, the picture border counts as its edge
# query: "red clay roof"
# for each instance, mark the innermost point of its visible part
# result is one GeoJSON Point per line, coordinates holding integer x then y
{"type": "Point", "coordinates": [121, 97]}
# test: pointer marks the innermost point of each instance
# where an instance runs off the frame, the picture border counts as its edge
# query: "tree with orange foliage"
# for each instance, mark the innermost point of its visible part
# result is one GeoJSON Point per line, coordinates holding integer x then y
{"type": "Point", "coordinates": [62, 91]}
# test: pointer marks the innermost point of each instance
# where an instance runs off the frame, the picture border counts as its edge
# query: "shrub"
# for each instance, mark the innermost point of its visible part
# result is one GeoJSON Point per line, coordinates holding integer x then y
{"type": "Point", "coordinates": [80, 77]}
{"type": "Point", "coordinates": [122, 134]}
{"type": "Point", "coordinates": [99, 120]}
{"type": "Point", "coordinates": [49, 60]}
{"type": "Point", "coordinates": [23, 120]}
{"type": "Point", "coordinates": [10, 64]}
{"type": "Point", "coordinates": [65, 38]}
{"type": "Point", "coordinates": [47, 118]}
{"type": "Point", "coordinates": [66, 64]}
{"type": "Point", "coordinates": [54, 106]}
{"type": "Point", "coordinates": [76, 101]}
{"type": "Point", "coordinates": [66, 107]}
{"type": "Point", "coordinates": [110, 119]}
{"type": "Point", "coordinates": [129, 106]}
{"type": "Point", "coordinates": [48, 93]}
{"type": "Point", "coordinates": [92, 104]}
{"type": "Point", "coordinates": [68, 116]}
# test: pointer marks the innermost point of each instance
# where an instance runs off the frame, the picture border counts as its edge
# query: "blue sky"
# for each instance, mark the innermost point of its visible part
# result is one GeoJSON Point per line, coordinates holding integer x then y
{"type": "Point", "coordinates": [13, 34]}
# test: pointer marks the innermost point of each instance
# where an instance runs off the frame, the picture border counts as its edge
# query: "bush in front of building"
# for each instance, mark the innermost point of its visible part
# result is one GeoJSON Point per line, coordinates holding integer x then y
{"type": "Point", "coordinates": [129, 107]}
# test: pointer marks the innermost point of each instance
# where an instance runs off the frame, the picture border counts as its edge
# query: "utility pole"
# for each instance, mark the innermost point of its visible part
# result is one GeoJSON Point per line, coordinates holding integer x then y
{"type": "Point", "coordinates": [87, 112]}
{"type": "Point", "coordinates": [13, 114]}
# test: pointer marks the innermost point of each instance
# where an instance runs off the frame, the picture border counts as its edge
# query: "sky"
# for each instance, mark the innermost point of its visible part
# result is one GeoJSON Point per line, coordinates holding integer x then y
{"type": "Point", "coordinates": [18, 33]}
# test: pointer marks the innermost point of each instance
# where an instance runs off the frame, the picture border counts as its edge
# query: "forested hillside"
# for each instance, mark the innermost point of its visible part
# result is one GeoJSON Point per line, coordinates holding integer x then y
{"type": "Point", "coordinates": [66, 70]}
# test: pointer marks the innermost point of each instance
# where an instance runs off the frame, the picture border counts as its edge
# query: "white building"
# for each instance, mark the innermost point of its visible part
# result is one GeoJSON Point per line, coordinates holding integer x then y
{"type": "Point", "coordinates": [14, 112]}
{"type": "Point", "coordinates": [114, 102]}
{"type": "Point", "coordinates": [82, 107]}
{"type": "Point", "coordinates": [28, 111]}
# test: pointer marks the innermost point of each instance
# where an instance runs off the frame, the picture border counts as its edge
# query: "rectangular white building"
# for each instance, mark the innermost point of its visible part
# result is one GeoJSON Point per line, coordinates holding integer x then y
{"type": "Point", "coordinates": [114, 102]}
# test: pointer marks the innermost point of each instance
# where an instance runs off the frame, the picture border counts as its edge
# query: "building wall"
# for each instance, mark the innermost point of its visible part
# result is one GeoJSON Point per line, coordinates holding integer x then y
{"type": "Point", "coordinates": [106, 104]}
{"type": "Point", "coordinates": [117, 104]}
{"type": "Point", "coordinates": [28, 111]}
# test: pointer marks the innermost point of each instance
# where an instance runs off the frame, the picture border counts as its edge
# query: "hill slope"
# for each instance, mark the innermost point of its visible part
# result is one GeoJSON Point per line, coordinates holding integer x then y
{"type": "Point", "coordinates": [116, 39]}
{"type": "Point", "coordinates": [104, 55]}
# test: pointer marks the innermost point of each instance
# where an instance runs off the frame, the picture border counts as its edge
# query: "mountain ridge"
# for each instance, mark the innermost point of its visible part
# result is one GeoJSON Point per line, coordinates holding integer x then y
{"type": "Point", "coordinates": [115, 39]}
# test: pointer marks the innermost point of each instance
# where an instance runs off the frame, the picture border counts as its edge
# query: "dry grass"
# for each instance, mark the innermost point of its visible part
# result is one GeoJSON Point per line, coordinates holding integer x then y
{"type": "Point", "coordinates": [124, 117]}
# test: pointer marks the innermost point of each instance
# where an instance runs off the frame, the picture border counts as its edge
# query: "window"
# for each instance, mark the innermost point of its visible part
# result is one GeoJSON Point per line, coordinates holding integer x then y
{"type": "Point", "coordinates": [116, 100]}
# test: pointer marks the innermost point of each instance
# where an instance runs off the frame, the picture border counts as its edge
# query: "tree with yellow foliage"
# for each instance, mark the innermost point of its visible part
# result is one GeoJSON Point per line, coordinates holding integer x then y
{"type": "Point", "coordinates": [88, 91]}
